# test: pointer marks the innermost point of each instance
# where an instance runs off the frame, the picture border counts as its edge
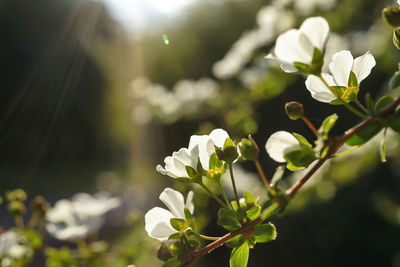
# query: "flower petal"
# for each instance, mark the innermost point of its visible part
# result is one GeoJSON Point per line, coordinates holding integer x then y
{"type": "Point", "coordinates": [318, 89]}
{"type": "Point", "coordinates": [363, 65]}
{"type": "Point", "coordinates": [279, 144]}
{"type": "Point", "coordinates": [219, 136]}
{"type": "Point", "coordinates": [174, 201]}
{"type": "Point", "coordinates": [289, 49]}
{"type": "Point", "coordinates": [317, 31]}
{"type": "Point", "coordinates": [340, 67]}
{"type": "Point", "coordinates": [157, 223]}
{"type": "Point", "coordinates": [189, 202]}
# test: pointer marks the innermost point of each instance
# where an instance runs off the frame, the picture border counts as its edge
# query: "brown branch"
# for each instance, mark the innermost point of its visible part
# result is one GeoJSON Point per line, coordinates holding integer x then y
{"type": "Point", "coordinates": [217, 243]}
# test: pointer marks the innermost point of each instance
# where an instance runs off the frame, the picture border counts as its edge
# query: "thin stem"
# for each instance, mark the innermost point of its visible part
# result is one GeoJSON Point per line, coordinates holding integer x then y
{"type": "Point", "coordinates": [310, 125]}
{"type": "Point", "coordinates": [34, 220]}
{"type": "Point", "coordinates": [233, 185]}
{"type": "Point", "coordinates": [348, 106]}
{"type": "Point", "coordinates": [228, 203]}
{"type": "Point", "coordinates": [345, 153]}
{"type": "Point", "coordinates": [206, 237]}
{"type": "Point", "coordinates": [19, 222]}
{"type": "Point", "coordinates": [263, 176]}
{"type": "Point", "coordinates": [361, 106]}
{"type": "Point", "coordinates": [213, 195]}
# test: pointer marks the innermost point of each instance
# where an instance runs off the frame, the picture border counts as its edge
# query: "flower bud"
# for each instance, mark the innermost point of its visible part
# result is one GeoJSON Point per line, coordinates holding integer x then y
{"type": "Point", "coordinates": [40, 205]}
{"type": "Point", "coordinates": [16, 195]}
{"type": "Point", "coordinates": [16, 207]}
{"type": "Point", "coordinates": [248, 149]}
{"type": "Point", "coordinates": [228, 153]}
{"type": "Point", "coordinates": [294, 110]}
{"type": "Point", "coordinates": [396, 37]}
{"type": "Point", "coordinates": [391, 15]}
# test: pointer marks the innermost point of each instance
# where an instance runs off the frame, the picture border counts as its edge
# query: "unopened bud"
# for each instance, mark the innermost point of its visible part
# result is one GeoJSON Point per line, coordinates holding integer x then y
{"type": "Point", "coordinates": [40, 205]}
{"type": "Point", "coordinates": [164, 253]}
{"type": "Point", "coordinates": [391, 15]}
{"type": "Point", "coordinates": [228, 153]}
{"type": "Point", "coordinates": [294, 110]}
{"type": "Point", "coordinates": [248, 149]}
{"type": "Point", "coordinates": [396, 37]}
{"type": "Point", "coordinates": [16, 195]}
{"type": "Point", "coordinates": [16, 207]}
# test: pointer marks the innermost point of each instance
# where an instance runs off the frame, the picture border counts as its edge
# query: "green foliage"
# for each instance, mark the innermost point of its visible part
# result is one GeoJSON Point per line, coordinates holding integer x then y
{"type": "Point", "coordinates": [327, 125]}
{"type": "Point", "coordinates": [264, 232]}
{"type": "Point", "coordinates": [191, 172]}
{"type": "Point", "coordinates": [391, 15]}
{"type": "Point", "coordinates": [248, 149]}
{"type": "Point", "coordinates": [370, 103]}
{"type": "Point", "coordinates": [395, 80]}
{"type": "Point", "coordinates": [177, 224]}
{"type": "Point", "coordinates": [366, 134]}
{"type": "Point", "coordinates": [383, 102]}
{"type": "Point", "coordinates": [60, 257]}
{"type": "Point", "coordinates": [395, 123]}
{"type": "Point", "coordinates": [228, 153]}
{"type": "Point", "coordinates": [240, 256]}
{"type": "Point", "coordinates": [235, 241]}
{"type": "Point", "coordinates": [228, 219]}
{"type": "Point", "coordinates": [352, 80]}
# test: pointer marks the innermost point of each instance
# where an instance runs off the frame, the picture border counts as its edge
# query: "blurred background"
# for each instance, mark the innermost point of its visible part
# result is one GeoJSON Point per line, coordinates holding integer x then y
{"type": "Point", "coordinates": [95, 94]}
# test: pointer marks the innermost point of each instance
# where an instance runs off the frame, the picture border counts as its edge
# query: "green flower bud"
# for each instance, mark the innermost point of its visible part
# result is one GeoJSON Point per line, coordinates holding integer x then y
{"type": "Point", "coordinates": [294, 110]}
{"type": "Point", "coordinates": [40, 205]}
{"type": "Point", "coordinates": [248, 149]}
{"type": "Point", "coordinates": [16, 195]}
{"type": "Point", "coordinates": [16, 207]}
{"type": "Point", "coordinates": [396, 37]}
{"type": "Point", "coordinates": [391, 15]}
{"type": "Point", "coordinates": [228, 153]}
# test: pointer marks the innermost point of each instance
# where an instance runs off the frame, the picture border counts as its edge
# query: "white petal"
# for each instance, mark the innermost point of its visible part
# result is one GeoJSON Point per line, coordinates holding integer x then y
{"type": "Point", "coordinates": [219, 137]}
{"type": "Point", "coordinates": [279, 144]}
{"type": "Point", "coordinates": [189, 202]}
{"type": "Point", "coordinates": [340, 67]}
{"type": "Point", "coordinates": [317, 31]}
{"type": "Point", "coordinates": [363, 65]}
{"type": "Point", "coordinates": [289, 49]}
{"type": "Point", "coordinates": [318, 89]}
{"type": "Point", "coordinates": [157, 223]}
{"type": "Point", "coordinates": [174, 201]}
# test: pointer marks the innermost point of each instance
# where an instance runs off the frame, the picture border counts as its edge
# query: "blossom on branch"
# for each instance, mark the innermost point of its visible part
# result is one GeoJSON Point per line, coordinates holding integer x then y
{"type": "Point", "coordinates": [297, 50]}
{"type": "Point", "coordinates": [175, 165]}
{"type": "Point", "coordinates": [157, 220]}
{"type": "Point", "coordinates": [346, 72]}
{"type": "Point", "coordinates": [281, 143]}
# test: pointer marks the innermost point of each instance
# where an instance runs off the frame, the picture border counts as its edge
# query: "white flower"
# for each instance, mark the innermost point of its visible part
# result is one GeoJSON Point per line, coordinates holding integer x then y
{"type": "Point", "coordinates": [13, 246]}
{"type": "Point", "coordinates": [175, 165]}
{"type": "Point", "coordinates": [157, 220]}
{"type": "Point", "coordinates": [84, 214]}
{"type": "Point", "coordinates": [281, 143]}
{"type": "Point", "coordinates": [206, 144]}
{"type": "Point", "coordinates": [298, 45]}
{"type": "Point", "coordinates": [341, 66]}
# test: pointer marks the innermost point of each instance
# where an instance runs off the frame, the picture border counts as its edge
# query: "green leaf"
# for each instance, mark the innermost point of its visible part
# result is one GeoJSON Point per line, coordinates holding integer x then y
{"type": "Point", "coordinates": [370, 103]}
{"type": "Point", "coordinates": [183, 179]}
{"type": "Point", "coordinates": [239, 256]}
{"type": "Point", "coordinates": [229, 152]}
{"type": "Point", "coordinates": [264, 232]}
{"type": "Point", "coordinates": [302, 140]}
{"type": "Point", "coordinates": [177, 224]}
{"type": "Point", "coordinates": [249, 199]}
{"type": "Point", "coordinates": [228, 219]}
{"type": "Point", "coordinates": [173, 262]}
{"type": "Point", "coordinates": [188, 215]}
{"type": "Point", "coordinates": [194, 242]}
{"type": "Point", "coordinates": [177, 248]}
{"type": "Point", "coordinates": [235, 241]}
{"type": "Point", "coordinates": [366, 134]}
{"type": "Point", "coordinates": [352, 80]}
{"type": "Point", "coordinates": [328, 124]}
{"type": "Point", "coordinates": [318, 56]}
{"type": "Point", "coordinates": [213, 162]}
{"type": "Point", "coordinates": [174, 236]}
{"type": "Point", "coordinates": [336, 102]}
{"type": "Point", "coordinates": [339, 90]}
{"type": "Point", "coordinates": [383, 102]}
{"type": "Point", "coordinates": [248, 150]}
{"type": "Point", "coordinates": [301, 66]}
{"type": "Point", "coordinates": [253, 213]}
{"type": "Point", "coordinates": [395, 80]}
{"type": "Point", "coordinates": [299, 159]}
{"type": "Point", "coordinates": [190, 171]}
{"type": "Point", "coordinates": [395, 123]}
{"type": "Point", "coordinates": [163, 252]}
{"type": "Point", "coordinates": [396, 35]}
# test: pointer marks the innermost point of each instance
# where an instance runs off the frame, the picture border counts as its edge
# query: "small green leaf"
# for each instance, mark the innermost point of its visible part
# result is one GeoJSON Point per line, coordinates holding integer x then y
{"type": "Point", "coordinates": [253, 213]}
{"type": "Point", "coordinates": [248, 150]}
{"type": "Point", "coordinates": [229, 153]}
{"type": "Point", "coordinates": [318, 56]}
{"type": "Point", "coordinates": [235, 241]}
{"type": "Point", "coordinates": [300, 159]}
{"type": "Point", "coordinates": [173, 262]}
{"type": "Point", "coordinates": [339, 90]}
{"type": "Point", "coordinates": [228, 219]}
{"type": "Point", "coordinates": [383, 102]}
{"type": "Point", "coordinates": [174, 236]}
{"type": "Point", "coordinates": [163, 252]}
{"type": "Point", "coordinates": [183, 179]}
{"type": "Point", "coordinates": [396, 37]}
{"type": "Point", "coordinates": [300, 66]}
{"type": "Point", "coordinates": [336, 102]}
{"type": "Point", "coordinates": [239, 256]}
{"type": "Point", "coordinates": [395, 80]}
{"type": "Point", "coordinates": [264, 232]}
{"type": "Point", "coordinates": [328, 124]}
{"type": "Point", "coordinates": [177, 224]}
{"type": "Point", "coordinates": [190, 171]}
{"type": "Point", "coordinates": [177, 248]}
{"type": "Point", "coordinates": [188, 215]}
{"type": "Point", "coordinates": [370, 103]}
{"type": "Point", "coordinates": [249, 199]}
{"type": "Point", "coordinates": [213, 162]}
{"type": "Point", "coordinates": [366, 134]}
{"type": "Point", "coordinates": [395, 123]}
{"type": "Point", "coordinates": [352, 80]}
{"type": "Point", "coordinates": [302, 140]}
{"type": "Point", "coordinates": [194, 242]}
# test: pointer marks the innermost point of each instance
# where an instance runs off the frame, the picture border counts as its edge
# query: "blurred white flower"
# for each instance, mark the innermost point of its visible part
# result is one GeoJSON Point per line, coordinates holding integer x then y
{"type": "Point", "coordinates": [281, 143]}
{"type": "Point", "coordinates": [13, 246]}
{"type": "Point", "coordinates": [175, 165]}
{"type": "Point", "coordinates": [298, 45]}
{"type": "Point", "coordinates": [206, 144]}
{"type": "Point", "coordinates": [84, 214]}
{"type": "Point", "coordinates": [157, 220]}
{"type": "Point", "coordinates": [306, 7]}
{"type": "Point", "coordinates": [341, 66]}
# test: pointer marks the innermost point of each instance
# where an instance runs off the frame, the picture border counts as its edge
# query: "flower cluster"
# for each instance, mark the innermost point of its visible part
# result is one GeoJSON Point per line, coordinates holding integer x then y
{"type": "Point", "coordinates": [75, 219]}
{"type": "Point", "coordinates": [156, 101]}
{"type": "Point", "coordinates": [13, 247]}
